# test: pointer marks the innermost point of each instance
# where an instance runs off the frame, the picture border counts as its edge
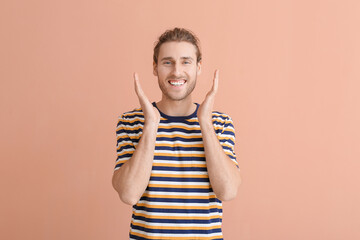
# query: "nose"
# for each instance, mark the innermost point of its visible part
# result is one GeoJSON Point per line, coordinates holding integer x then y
{"type": "Point", "coordinates": [177, 70]}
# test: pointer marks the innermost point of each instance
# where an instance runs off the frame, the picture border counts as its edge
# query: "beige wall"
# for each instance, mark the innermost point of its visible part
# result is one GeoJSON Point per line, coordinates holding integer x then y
{"type": "Point", "coordinates": [289, 77]}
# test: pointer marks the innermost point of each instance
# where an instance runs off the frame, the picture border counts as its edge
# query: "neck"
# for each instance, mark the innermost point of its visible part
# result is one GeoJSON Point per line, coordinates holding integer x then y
{"type": "Point", "coordinates": [170, 107]}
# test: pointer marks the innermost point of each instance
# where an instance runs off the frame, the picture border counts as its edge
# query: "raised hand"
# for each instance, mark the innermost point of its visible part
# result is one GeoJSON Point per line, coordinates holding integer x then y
{"type": "Point", "coordinates": [151, 114]}
{"type": "Point", "coordinates": [205, 109]}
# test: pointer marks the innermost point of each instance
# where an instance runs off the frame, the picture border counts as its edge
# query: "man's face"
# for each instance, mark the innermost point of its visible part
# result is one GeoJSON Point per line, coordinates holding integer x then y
{"type": "Point", "coordinates": [177, 70]}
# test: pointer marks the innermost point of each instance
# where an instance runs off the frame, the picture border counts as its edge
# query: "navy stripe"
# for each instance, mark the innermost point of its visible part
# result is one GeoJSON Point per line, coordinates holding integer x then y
{"type": "Point", "coordinates": [182, 130]}
{"type": "Point", "coordinates": [131, 124]}
{"type": "Point", "coordinates": [179, 158]}
{"type": "Point", "coordinates": [169, 210]}
{"type": "Point", "coordinates": [179, 179]}
{"type": "Point", "coordinates": [162, 189]}
{"type": "Point", "coordinates": [186, 121]}
{"type": "Point", "coordinates": [194, 139]}
{"type": "Point", "coordinates": [190, 221]}
{"type": "Point", "coordinates": [176, 231]}
{"type": "Point", "coordinates": [125, 147]}
{"type": "Point", "coordinates": [180, 200]}
{"type": "Point", "coordinates": [179, 169]}
{"type": "Point", "coordinates": [139, 115]}
{"type": "Point", "coordinates": [125, 155]}
{"type": "Point", "coordinates": [179, 148]}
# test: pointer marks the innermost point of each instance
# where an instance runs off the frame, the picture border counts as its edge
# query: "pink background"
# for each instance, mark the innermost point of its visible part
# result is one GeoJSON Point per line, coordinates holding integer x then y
{"type": "Point", "coordinates": [289, 77]}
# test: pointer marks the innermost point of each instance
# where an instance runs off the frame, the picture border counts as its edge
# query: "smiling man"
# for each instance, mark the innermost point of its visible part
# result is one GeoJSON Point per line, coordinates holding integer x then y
{"type": "Point", "coordinates": [175, 158]}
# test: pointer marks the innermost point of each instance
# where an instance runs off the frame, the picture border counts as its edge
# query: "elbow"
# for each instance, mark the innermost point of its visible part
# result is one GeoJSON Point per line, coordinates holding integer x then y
{"type": "Point", "coordinates": [227, 196]}
{"type": "Point", "coordinates": [124, 196]}
{"type": "Point", "coordinates": [229, 193]}
{"type": "Point", "coordinates": [128, 200]}
{"type": "Point", "coordinates": [127, 197]}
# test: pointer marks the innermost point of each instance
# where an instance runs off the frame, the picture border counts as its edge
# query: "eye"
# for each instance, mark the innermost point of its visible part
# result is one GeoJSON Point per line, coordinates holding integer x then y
{"type": "Point", "coordinates": [187, 62]}
{"type": "Point", "coordinates": [167, 62]}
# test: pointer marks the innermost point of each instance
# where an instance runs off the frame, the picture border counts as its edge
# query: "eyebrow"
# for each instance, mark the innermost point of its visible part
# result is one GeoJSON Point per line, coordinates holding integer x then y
{"type": "Point", "coordinates": [171, 58]}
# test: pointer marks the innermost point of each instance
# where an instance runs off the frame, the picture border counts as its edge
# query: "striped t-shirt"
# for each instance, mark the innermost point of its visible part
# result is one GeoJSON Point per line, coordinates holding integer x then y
{"type": "Point", "coordinates": [178, 202]}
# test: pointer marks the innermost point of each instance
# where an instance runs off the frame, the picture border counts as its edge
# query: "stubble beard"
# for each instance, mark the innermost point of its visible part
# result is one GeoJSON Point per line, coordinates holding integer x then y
{"type": "Point", "coordinates": [180, 98]}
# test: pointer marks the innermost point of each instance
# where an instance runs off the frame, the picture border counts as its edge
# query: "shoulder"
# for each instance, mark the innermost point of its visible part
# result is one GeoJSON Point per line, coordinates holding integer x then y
{"type": "Point", "coordinates": [220, 116]}
{"type": "Point", "coordinates": [131, 118]}
{"type": "Point", "coordinates": [135, 113]}
{"type": "Point", "coordinates": [223, 121]}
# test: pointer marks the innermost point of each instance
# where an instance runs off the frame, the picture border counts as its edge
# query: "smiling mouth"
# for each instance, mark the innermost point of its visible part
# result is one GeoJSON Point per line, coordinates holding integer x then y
{"type": "Point", "coordinates": [177, 82]}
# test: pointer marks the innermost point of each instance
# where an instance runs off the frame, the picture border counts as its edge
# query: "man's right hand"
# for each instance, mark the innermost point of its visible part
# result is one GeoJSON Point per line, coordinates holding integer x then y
{"type": "Point", "coordinates": [151, 113]}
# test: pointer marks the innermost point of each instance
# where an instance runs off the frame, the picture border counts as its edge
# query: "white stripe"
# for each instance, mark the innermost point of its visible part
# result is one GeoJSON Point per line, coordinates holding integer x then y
{"type": "Point", "coordinates": [176, 235]}
{"type": "Point", "coordinates": [180, 152]}
{"type": "Point", "coordinates": [179, 162]}
{"type": "Point", "coordinates": [179, 142]}
{"type": "Point", "coordinates": [200, 173]}
{"type": "Point", "coordinates": [180, 133]}
{"type": "Point", "coordinates": [190, 225]}
{"type": "Point", "coordinates": [179, 214]}
{"type": "Point", "coordinates": [178, 124]}
{"type": "Point", "coordinates": [179, 183]}
{"type": "Point", "coordinates": [123, 141]}
{"type": "Point", "coordinates": [125, 150]}
{"type": "Point", "coordinates": [180, 194]}
{"type": "Point", "coordinates": [122, 159]}
{"type": "Point", "coordinates": [230, 127]}
{"type": "Point", "coordinates": [180, 204]}
{"type": "Point", "coordinates": [132, 127]}
{"type": "Point", "coordinates": [226, 150]}
{"type": "Point", "coordinates": [132, 118]}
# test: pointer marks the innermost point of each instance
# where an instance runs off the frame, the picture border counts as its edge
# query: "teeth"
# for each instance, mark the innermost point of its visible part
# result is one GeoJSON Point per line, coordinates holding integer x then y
{"type": "Point", "coordinates": [177, 83]}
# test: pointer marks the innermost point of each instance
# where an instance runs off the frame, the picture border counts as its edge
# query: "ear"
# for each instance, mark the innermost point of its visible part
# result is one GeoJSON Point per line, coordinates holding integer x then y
{"type": "Point", "coordinates": [198, 65]}
{"type": "Point", "coordinates": [155, 72]}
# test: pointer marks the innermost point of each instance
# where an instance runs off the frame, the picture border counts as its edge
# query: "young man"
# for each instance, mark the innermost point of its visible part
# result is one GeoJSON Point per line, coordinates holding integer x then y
{"type": "Point", "coordinates": [175, 158]}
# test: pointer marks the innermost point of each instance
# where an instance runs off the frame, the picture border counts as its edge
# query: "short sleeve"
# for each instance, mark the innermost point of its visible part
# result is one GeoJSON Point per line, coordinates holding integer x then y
{"type": "Point", "coordinates": [124, 145]}
{"type": "Point", "coordinates": [227, 139]}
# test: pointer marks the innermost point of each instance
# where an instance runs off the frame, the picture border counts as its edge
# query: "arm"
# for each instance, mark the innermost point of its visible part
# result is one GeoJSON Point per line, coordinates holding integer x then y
{"type": "Point", "coordinates": [132, 178]}
{"type": "Point", "coordinates": [223, 173]}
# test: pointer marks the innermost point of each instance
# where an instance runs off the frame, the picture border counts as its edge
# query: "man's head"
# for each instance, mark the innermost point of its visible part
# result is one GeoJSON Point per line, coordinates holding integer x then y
{"type": "Point", "coordinates": [177, 63]}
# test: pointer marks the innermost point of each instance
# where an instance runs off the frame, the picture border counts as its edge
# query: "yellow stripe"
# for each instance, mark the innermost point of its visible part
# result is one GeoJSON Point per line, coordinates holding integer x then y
{"type": "Point", "coordinates": [179, 175]}
{"type": "Point", "coordinates": [179, 145]}
{"type": "Point", "coordinates": [221, 138]}
{"type": "Point", "coordinates": [179, 196]}
{"type": "Point", "coordinates": [179, 186]}
{"type": "Point", "coordinates": [176, 217]}
{"type": "Point", "coordinates": [124, 144]}
{"type": "Point", "coordinates": [178, 207]}
{"type": "Point", "coordinates": [179, 135]}
{"type": "Point", "coordinates": [179, 155]}
{"type": "Point", "coordinates": [175, 238]}
{"type": "Point", "coordinates": [178, 165]}
{"type": "Point", "coordinates": [122, 161]}
{"type": "Point", "coordinates": [134, 113]}
{"type": "Point", "coordinates": [177, 227]}
{"type": "Point", "coordinates": [131, 121]}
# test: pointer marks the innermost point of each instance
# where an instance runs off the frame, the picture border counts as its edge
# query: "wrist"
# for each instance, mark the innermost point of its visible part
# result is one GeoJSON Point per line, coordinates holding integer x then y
{"type": "Point", "coordinates": [206, 123]}
{"type": "Point", "coordinates": [151, 125]}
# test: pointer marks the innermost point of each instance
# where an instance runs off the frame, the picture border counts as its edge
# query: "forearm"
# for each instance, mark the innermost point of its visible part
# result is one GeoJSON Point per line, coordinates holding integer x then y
{"type": "Point", "coordinates": [131, 180]}
{"type": "Point", "coordinates": [223, 173]}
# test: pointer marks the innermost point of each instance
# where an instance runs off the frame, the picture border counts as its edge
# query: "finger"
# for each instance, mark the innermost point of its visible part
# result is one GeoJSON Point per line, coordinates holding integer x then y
{"type": "Point", "coordinates": [138, 87]}
{"type": "Point", "coordinates": [214, 87]}
{"type": "Point", "coordinates": [137, 83]}
{"type": "Point", "coordinates": [140, 93]}
{"type": "Point", "coordinates": [216, 81]}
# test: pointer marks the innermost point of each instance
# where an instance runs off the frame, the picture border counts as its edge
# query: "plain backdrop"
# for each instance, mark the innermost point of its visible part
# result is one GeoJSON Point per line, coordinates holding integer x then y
{"type": "Point", "coordinates": [289, 78]}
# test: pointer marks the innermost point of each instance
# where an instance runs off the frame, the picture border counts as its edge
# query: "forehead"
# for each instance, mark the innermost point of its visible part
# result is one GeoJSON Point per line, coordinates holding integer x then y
{"type": "Point", "coordinates": [177, 50]}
